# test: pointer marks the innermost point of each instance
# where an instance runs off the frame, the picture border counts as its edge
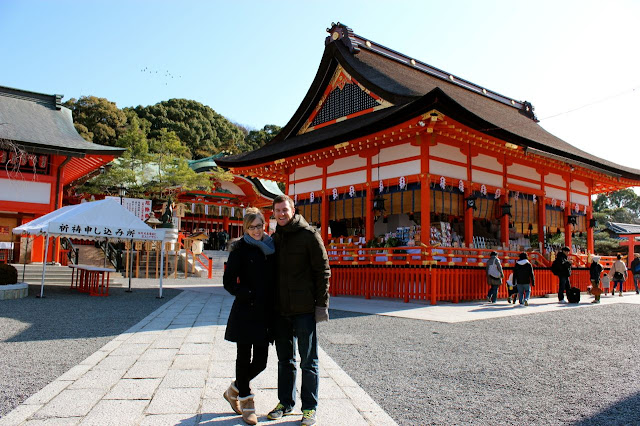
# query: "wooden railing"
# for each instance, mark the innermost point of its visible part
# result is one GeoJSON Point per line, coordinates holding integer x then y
{"type": "Point", "coordinates": [437, 283]}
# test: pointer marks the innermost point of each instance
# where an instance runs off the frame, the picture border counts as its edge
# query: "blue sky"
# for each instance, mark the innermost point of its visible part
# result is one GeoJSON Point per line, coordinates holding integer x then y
{"type": "Point", "coordinates": [577, 62]}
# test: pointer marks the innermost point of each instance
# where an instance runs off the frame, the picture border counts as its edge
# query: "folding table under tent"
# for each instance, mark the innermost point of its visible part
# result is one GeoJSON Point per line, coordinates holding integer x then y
{"type": "Point", "coordinates": [95, 220]}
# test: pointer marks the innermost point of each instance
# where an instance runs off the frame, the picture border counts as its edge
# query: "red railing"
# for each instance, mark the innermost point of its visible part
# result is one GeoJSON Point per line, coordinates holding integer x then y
{"type": "Point", "coordinates": [205, 261]}
{"type": "Point", "coordinates": [437, 282]}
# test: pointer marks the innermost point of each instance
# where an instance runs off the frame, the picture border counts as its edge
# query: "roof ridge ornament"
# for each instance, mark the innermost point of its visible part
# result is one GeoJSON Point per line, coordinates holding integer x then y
{"type": "Point", "coordinates": [345, 34]}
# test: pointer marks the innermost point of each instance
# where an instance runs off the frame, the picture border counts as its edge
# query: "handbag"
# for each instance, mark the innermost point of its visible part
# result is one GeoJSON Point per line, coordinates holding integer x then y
{"type": "Point", "coordinates": [493, 271]}
{"type": "Point", "coordinates": [618, 276]}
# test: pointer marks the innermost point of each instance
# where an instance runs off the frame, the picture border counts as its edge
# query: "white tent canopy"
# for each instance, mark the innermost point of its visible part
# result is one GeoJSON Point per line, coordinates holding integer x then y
{"type": "Point", "coordinates": [96, 220]}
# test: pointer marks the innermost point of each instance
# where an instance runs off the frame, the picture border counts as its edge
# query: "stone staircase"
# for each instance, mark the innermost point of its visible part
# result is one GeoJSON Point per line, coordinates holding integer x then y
{"type": "Point", "coordinates": [55, 275]}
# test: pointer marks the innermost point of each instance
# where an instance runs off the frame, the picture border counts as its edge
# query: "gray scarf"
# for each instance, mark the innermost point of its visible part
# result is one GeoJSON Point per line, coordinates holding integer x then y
{"type": "Point", "coordinates": [265, 244]}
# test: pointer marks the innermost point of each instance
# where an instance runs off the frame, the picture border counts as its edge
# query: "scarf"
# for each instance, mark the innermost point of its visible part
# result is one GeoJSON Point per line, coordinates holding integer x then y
{"type": "Point", "coordinates": [265, 244]}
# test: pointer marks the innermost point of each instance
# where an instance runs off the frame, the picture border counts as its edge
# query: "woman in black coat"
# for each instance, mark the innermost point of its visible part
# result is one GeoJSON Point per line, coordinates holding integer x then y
{"type": "Point", "coordinates": [249, 277]}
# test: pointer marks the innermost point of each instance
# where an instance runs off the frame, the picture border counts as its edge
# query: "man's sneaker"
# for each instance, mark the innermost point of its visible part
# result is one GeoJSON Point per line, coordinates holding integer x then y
{"type": "Point", "coordinates": [308, 418]}
{"type": "Point", "coordinates": [278, 412]}
{"type": "Point", "coordinates": [526, 303]}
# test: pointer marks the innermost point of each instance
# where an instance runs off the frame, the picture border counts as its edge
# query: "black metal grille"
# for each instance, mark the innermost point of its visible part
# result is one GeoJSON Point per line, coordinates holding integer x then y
{"type": "Point", "coordinates": [339, 103]}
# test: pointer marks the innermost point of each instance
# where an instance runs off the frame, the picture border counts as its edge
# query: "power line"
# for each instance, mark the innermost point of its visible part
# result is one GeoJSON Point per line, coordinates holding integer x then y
{"type": "Point", "coordinates": [592, 103]}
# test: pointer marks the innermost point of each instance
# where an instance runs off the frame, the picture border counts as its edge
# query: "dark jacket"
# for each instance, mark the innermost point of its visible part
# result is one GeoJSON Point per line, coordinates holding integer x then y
{"type": "Point", "coordinates": [249, 276]}
{"type": "Point", "coordinates": [633, 265]}
{"type": "Point", "coordinates": [565, 271]}
{"type": "Point", "coordinates": [303, 271]}
{"type": "Point", "coordinates": [594, 271]}
{"type": "Point", "coordinates": [523, 273]}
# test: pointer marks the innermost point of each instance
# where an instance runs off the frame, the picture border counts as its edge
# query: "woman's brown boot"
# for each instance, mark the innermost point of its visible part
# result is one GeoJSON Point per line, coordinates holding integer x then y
{"type": "Point", "coordinates": [248, 408]}
{"type": "Point", "coordinates": [231, 395]}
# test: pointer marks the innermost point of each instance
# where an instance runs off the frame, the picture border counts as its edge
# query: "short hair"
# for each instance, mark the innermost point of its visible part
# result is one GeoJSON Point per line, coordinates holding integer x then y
{"type": "Point", "coordinates": [493, 253]}
{"type": "Point", "coordinates": [250, 215]}
{"type": "Point", "coordinates": [522, 256]}
{"type": "Point", "coordinates": [565, 248]}
{"type": "Point", "coordinates": [619, 256]}
{"type": "Point", "coordinates": [282, 198]}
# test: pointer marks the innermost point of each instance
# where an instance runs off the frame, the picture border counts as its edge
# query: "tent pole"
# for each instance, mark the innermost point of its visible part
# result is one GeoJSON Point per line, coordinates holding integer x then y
{"type": "Point", "coordinates": [106, 251]}
{"type": "Point", "coordinates": [44, 264]}
{"type": "Point", "coordinates": [24, 263]}
{"type": "Point", "coordinates": [130, 267]}
{"type": "Point", "coordinates": [161, 266]}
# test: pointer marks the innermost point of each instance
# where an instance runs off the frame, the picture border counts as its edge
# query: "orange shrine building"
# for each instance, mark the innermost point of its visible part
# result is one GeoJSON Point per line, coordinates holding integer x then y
{"type": "Point", "coordinates": [40, 154]}
{"type": "Point", "coordinates": [384, 144]}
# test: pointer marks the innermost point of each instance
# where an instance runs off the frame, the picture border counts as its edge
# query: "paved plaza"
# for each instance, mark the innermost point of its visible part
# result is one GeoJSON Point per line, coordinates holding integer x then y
{"type": "Point", "coordinates": [172, 367]}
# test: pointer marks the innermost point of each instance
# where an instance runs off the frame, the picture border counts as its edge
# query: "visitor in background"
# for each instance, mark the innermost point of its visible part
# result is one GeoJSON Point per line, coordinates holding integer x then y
{"type": "Point", "coordinates": [523, 277]}
{"type": "Point", "coordinates": [595, 269]}
{"type": "Point", "coordinates": [561, 267]}
{"type": "Point", "coordinates": [495, 275]}
{"type": "Point", "coordinates": [618, 274]}
{"type": "Point", "coordinates": [635, 270]}
{"type": "Point", "coordinates": [249, 276]}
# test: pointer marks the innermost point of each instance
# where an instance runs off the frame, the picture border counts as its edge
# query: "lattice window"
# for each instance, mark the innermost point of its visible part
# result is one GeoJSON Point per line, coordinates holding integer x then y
{"type": "Point", "coordinates": [340, 103]}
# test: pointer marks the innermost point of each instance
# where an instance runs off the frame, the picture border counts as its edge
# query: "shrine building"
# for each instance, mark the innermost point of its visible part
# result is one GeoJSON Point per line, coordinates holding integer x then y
{"type": "Point", "coordinates": [385, 144]}
{"type": "Point", "coordinates": [40, 154]}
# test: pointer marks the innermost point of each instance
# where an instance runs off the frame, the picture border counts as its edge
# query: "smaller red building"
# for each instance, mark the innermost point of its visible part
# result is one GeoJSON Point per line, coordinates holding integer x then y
{"type": "Point", "coordinates": [40, 153]}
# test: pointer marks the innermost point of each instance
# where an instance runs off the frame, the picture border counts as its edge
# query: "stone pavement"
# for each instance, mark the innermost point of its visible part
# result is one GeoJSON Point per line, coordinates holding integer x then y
{"type": "Point", "coordinates": [172, 368]}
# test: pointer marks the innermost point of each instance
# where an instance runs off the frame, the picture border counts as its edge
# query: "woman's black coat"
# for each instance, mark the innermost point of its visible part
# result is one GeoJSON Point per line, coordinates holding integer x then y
{"type": "Point", "coordinates": [249, 276]}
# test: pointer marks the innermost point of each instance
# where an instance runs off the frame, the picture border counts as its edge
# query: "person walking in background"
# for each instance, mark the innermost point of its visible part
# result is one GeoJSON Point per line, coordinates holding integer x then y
{"type": "Point", "coordinates": [495, 275]}
{"type": "Point", "coordinates": [523, 277]}
{"type": "Point", "coordinates": [249, 276]}
{"type": "Point", "coordinates": [618, 274]}
{"type": "Point", "coordinates": [561, 267]}
{"type": "Point", "coordinates": [595, 269]}
{"type": "Point", "coordinates": [302, 295]}
{"type": "Point", "coordinates": [222, 239]}
{"type": "Point", "coordinates": [635, 270]}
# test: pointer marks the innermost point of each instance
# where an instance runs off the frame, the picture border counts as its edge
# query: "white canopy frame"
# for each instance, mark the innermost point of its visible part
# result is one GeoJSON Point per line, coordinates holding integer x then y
{"type": "Point", "coordinates": [96, 220]}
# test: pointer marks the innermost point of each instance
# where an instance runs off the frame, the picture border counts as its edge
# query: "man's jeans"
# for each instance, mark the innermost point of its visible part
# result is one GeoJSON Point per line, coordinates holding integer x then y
{"type": "Point", "coordinates": [636, 280]}
{"type": "Point", "coordinates": [564, 285]}
{"type": "Point", "coordinates": [524, 290]}
{"type": "Point", "coordinates": [288, 331]}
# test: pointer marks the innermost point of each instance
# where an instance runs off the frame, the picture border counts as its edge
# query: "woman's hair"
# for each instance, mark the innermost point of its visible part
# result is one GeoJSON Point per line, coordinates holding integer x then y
{"type": "Point", "coordinates": [522, 256]}
{"type": "Point", "coordinates": [250, 215]}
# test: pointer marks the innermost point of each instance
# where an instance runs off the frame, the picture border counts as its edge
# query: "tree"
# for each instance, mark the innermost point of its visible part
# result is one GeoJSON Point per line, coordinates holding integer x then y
{"type": "Point", "coordinates": [202, 130]}
{"type": "Point", "coordinates": [97, 120]}
{"type": "Point", "coordinates": [257, 138]}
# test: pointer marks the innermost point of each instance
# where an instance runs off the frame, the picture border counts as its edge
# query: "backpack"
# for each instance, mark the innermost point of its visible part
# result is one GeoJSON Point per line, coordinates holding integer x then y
{"type": "Point", "coordinates": [493, 271]}
{"type": "Point", "coordinates": [556, 267]}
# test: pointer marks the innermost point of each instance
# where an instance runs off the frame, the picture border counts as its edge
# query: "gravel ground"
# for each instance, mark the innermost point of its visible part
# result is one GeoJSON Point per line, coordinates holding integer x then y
{"type": "Point", "coordinates": [578, 366]}
{"type": "Point", "coordinates": [40, 339]}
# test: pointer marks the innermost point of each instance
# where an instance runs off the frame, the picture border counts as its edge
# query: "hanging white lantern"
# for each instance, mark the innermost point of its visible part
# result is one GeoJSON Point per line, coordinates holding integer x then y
{"type": "Point", "coordinates": [461, 185]}
{"type": "Point", "coordinates": [562, 204]}
{"type": "Point", "coordinates": [219, 210]}
{"type": "Point", "coordinates": [577, 207]}
{"type": "Point", "coordinates": [554, 202]}
{"type": "Point", "coordinates": [402, 183]}
{"type": "Point", "coordinates": [232, 211]}
{"type": "Point", "coordinates": [312, 197]}
{"type": "Point", "coordinates": [334, 193]}
{"type": "Point", "coordinates": [380, 186]}
{"type": "Point", "coordinates": [535, 200]}
{"type": "Point", "coordinates": [193, 208]}
{"type": "Point", "coordinates": [498, 193]}
{"type": "Point", "coordinates": [516, 195]}
{"type": "Point", "coordinates": [206, 209]}
{"type": "Point", "coordinates": [443, 182]}
{"type": "Point", "coordinates": [244, 212]}
{"type": "Point", "coordinates": [585, 209]}
{"type": "Point", "coordinates": [483, 189]}
{"type": "Point", "coordinates": [295, 198]}
{"type": "Point", "coordinates": [352, 190]}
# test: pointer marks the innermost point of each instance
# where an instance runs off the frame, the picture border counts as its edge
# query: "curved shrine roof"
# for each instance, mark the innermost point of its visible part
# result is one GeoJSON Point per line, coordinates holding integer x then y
{"type": "Point", "coordinates": [413, 88]}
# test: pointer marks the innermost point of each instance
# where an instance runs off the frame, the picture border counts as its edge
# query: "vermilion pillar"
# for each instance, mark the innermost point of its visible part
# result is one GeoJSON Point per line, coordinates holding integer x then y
{"type": "Point", "coordinates": [590, 244]}
{"type": "Point", "coordinates": [468, 220]}
{"type": "Point", "coordinates": [542, 222]}
{"type": "Point", "coordinates": [567, 228]}
{"type": "Point", "coordinates": [368, 221]}
{"type": "Point", "coordinates": [504, 223]}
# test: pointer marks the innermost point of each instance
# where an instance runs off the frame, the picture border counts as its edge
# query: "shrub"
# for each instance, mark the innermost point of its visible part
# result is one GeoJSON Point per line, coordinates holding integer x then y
{"type": "Point", "coordinates": [8, 274]}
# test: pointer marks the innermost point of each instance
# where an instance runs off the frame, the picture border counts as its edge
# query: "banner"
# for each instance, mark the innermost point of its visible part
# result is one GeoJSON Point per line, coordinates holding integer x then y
{"type": "Point", "coordinates": [139, 207]}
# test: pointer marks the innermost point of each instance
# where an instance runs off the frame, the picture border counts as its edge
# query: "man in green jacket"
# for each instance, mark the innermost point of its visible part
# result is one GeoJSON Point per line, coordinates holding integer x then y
{"type": "Point", "coordinates": [302, 300]}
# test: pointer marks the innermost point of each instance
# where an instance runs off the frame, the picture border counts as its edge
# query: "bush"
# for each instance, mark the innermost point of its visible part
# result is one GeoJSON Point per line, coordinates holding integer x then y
{"type": "Point", "coordinates": [8, 274]}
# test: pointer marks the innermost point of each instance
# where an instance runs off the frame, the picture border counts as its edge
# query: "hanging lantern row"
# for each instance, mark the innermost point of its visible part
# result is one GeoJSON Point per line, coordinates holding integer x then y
{"type": "Point", "coordinates": [443, 182]}
{"type": "Point", "coordinates": [498, 194]}
{"type": "Point", "coordinates": [562, 204]}
{"type": "Point", "coordinates": [535, 199]}
{"type": "Point", "coordinates": [402, 183]}
{"type": "Point", "coordinates": [461, 185]}
{"type": "Point", "coordinates": [334, 194]}
{"type": "Point", "coordinates": [483, 189]}
{"type": "Point", "coordinates": [516, 195]}
{"type": "Point", "coordinates": [352, 191]}
{"type": "Point", "coordinates": [312, 197]}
